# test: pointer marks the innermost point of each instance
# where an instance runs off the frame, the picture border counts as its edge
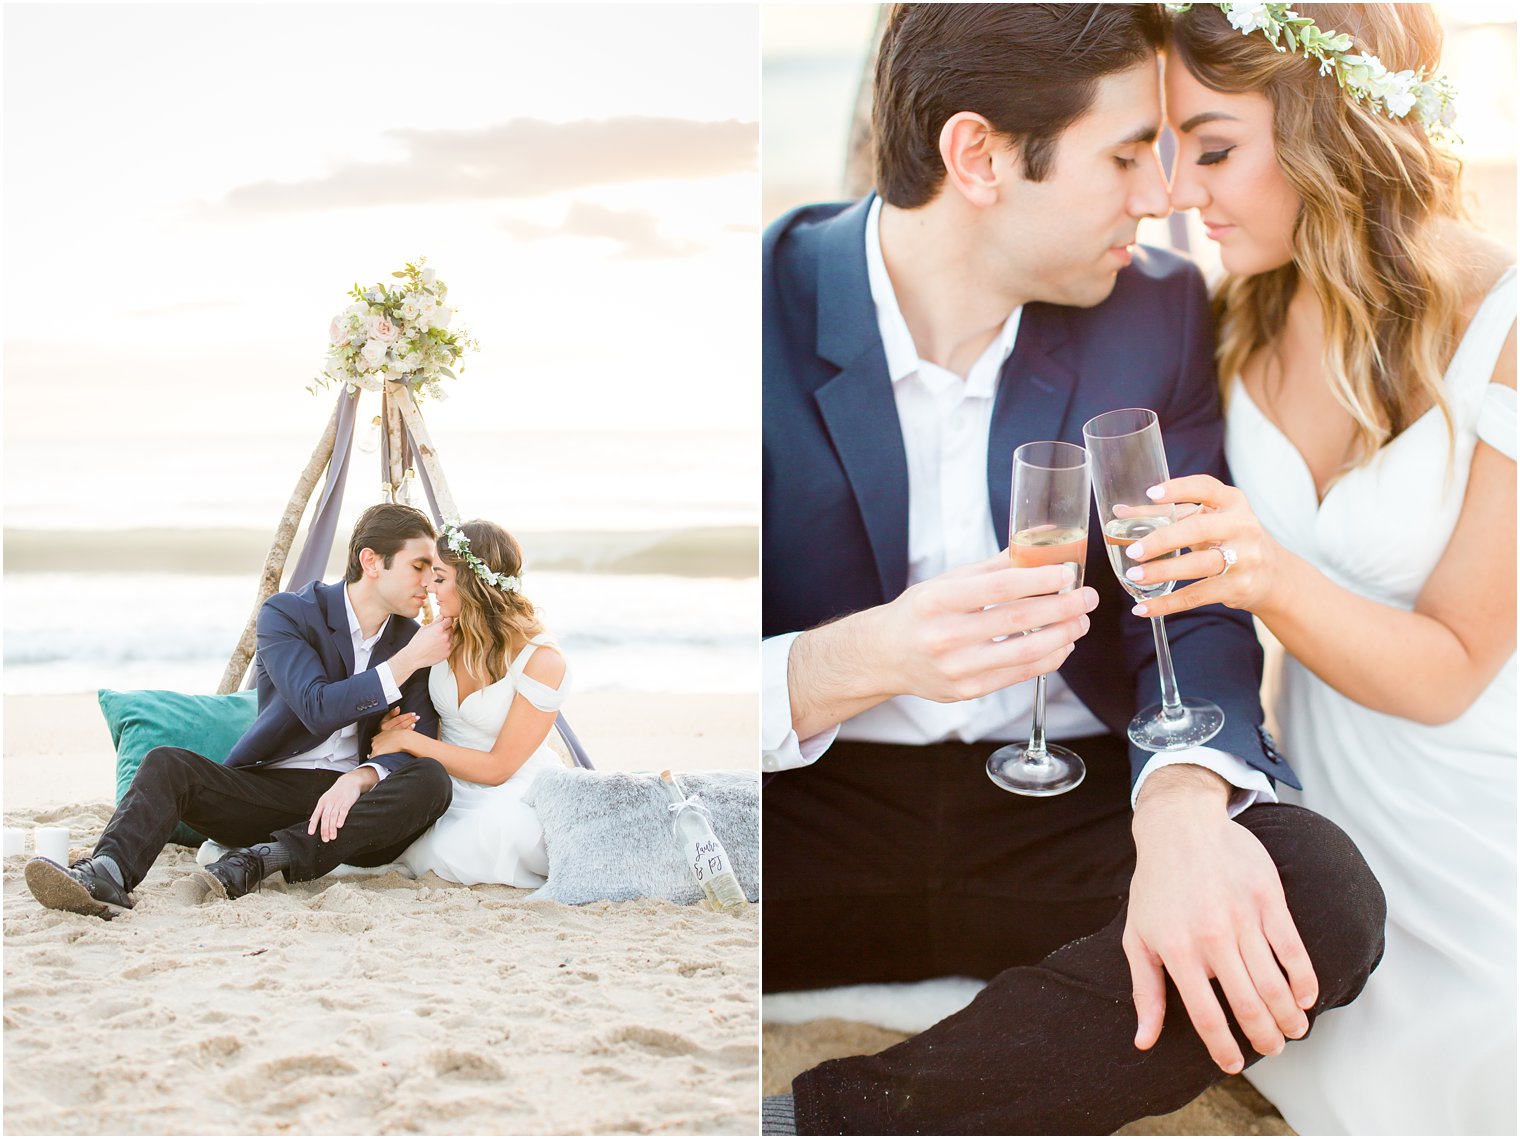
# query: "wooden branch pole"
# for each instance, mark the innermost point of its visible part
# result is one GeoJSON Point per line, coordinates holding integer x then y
{"type": "Point", "coordinates": [274, 564]}
{"type": "Point", "coordinates": [395, 441]}
{"type": "Point", "coordinates": [425, 448]}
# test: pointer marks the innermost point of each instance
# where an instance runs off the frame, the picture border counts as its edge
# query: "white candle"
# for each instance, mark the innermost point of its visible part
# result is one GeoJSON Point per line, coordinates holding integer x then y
{"type": "Point", "coordinates": [51, 842]}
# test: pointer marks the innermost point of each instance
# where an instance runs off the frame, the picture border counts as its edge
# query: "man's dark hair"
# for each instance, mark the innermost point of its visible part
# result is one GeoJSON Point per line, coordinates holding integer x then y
{"type": "Point", "coordinates": [385, 528]}
{"type": "Point", "coordinates": [1029, 69]}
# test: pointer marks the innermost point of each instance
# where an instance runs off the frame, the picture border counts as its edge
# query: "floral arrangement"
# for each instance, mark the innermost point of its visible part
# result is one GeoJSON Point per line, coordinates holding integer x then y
{"type": "Point", "coordinates": [1362, 76]}
{"type": "Point", "coordinates": [396, 334]}
{"type": "Point", "coordinates": [460, 544]}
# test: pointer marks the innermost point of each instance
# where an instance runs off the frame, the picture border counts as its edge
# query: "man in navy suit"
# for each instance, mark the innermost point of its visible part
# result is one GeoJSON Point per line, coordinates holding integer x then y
{"type": "Point", "coordinates": [1165, 922]}
{"type": "Point", "coordinates": [295, 794]}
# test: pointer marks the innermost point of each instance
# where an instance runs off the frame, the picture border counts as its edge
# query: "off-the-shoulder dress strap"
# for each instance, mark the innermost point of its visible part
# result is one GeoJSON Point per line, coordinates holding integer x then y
{"type": "Point", "coordinates": [536, 692]}
{"type": "Point", "coordinates": [1485, 335]}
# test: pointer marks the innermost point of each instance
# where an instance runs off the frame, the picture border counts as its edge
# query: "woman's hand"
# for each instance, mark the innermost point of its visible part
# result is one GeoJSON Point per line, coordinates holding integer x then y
{"type": "Point", "coordinates": [1226, 521]}
{"type": "Point", "coordinates": [396, 718]}
{"type": "Point", "coordinates": [395, 739]}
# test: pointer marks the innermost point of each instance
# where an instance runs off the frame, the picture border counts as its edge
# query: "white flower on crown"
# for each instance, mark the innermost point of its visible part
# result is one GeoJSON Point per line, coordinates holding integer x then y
{"type": "Point", "coordinates": [1248, 17]}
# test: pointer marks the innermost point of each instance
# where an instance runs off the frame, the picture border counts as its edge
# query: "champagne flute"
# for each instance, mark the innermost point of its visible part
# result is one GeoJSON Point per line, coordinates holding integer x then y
{"type": "Point", "coordinates": [1047, 525]}
{"type": "Point", "coordinates": [1127, 459]}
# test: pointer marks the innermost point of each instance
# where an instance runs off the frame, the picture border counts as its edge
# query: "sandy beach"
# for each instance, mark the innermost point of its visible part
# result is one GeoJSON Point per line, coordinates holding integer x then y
{"type": "Point", "coordinates": [373, 1004]}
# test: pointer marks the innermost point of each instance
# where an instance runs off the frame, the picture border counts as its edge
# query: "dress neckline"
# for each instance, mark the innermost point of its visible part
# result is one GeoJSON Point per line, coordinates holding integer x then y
{"type": "Point", "coordinates": [1241, 392]}
{"type": "Point", "coordinates": [511, 666]}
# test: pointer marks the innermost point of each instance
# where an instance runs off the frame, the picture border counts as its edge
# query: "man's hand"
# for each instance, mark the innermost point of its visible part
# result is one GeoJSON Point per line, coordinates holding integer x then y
{"type": "Point", "coordinates": [429, 645]}
{"type": "Point", "coordinates": [936, 640]}
{"type": "Point", "coordinates": [1206, 902]}
{"type": "Point", "coordinates": [331, 811]}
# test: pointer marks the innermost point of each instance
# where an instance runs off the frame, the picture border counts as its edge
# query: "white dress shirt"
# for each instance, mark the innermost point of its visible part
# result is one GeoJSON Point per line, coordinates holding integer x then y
{"type": "Point", "coordinates": [340, 751]}
{"type": "Point", "coordinates": [946, 420]}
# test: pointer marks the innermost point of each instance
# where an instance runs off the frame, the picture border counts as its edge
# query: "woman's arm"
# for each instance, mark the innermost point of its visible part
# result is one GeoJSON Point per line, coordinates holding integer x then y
{"type": "Point", "coordinates": [524, 730]}
{"type": "Point", "coordinates": [1427, 664]}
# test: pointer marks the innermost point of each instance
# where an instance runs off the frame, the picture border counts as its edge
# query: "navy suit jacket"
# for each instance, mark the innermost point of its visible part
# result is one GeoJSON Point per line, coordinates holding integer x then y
{"type": "Point", "coordinates": [835, 474]}
{"type": "Point", "coordinates": [306, 682]}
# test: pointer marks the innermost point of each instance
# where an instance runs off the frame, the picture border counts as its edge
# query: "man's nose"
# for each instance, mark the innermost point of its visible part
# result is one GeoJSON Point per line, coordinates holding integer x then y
{"type": "Point", "coordinates": [1150, 199]}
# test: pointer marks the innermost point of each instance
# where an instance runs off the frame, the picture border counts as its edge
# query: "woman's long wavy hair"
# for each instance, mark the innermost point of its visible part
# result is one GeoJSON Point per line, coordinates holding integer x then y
{"type": "Point", "coordinates": [492, 624]}
{"type": "Point", "coordinates": [1371, 190]}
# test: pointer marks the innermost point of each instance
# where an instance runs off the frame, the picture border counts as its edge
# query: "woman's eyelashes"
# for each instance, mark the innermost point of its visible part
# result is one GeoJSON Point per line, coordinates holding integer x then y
{"type": "Point", "coordinates": [1212, 157]}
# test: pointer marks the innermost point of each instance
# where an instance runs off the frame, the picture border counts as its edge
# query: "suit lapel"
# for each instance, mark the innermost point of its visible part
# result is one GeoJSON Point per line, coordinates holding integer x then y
{"type": "Point", "coordinates": [1034, 391]}
{"type": "Point", "coordinates": [336, 612]}
{"type": "Point", "coordinates": [857, 405]}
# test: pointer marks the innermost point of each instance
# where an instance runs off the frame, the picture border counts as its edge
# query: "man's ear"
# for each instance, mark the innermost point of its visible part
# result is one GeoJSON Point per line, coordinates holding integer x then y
{"type": "Point", "coordinates": [370, 562]}
{"type": "Point", "coordinates": [975, 156]}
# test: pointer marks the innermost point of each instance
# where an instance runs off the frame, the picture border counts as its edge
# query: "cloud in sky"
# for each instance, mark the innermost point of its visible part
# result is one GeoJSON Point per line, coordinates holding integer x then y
{"type": "Point", "coordinates": [637, 230]}
{"type": "Point", "coordinates": [520, 158]}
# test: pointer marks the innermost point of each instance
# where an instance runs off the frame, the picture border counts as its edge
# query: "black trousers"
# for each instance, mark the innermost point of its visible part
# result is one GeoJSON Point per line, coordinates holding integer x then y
{"type": "Point", "coordinates": [888, 863]}
{"type": "Point", "coordinates": [240, 806]}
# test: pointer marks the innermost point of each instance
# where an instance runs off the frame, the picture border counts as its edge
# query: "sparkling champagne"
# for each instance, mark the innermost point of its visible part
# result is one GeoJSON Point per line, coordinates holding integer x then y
{"type": "Point", "coordinates": [1121, 533]}
{"type": "Point", "coordinates": [1050, 546]}
{"type": "Point", "coordinates": [704, 854]}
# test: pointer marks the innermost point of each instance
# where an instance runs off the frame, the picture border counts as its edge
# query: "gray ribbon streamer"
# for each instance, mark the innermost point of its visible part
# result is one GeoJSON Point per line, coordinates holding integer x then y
{"type": "Point", "coordinates": [317, 548]}
{"type": "Point", "coordinates": [324, 523]}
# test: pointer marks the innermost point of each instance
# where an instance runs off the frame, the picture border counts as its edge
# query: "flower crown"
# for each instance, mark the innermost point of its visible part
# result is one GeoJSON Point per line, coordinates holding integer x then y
{"type": "Point", "coordinates": [456, 540]}
{"type": "Point", "coordinates": [1362, 76]}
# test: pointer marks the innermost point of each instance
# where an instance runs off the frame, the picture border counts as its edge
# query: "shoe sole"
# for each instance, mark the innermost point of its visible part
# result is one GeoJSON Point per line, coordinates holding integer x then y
{"type": "Point", "coordinates": [216, 889]}
{"type": "Point", "coordinates": [56, 889]}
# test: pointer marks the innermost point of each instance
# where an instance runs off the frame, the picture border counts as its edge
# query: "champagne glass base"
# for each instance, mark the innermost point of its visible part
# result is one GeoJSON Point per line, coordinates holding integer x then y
{"type": "Point", "coordinates": [1060, 770]}
{"type": "Point", "coordinates": [1198, 722]}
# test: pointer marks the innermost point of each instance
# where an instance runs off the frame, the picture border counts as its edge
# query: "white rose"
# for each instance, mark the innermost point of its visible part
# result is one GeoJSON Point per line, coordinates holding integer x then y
{"type": "Point", "coordinates": [441, 316]}
{"type": "Point", "coordinates": [411, 308]}
{"type": "Point", "coordinates": [428, 276]}
{"type": "Point", "coordinates": [373, 353]}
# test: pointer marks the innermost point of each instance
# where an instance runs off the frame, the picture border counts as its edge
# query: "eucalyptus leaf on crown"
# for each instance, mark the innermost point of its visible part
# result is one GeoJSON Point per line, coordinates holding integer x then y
{"type": "Point", "coordinates": [1361, 76]}
{"type": "Point", "coordinates": [396, 334]}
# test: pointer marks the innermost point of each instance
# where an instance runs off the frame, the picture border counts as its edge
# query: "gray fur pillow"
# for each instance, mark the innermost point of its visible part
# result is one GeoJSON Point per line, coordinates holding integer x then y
{"type": "Point", "coordinates": [609, 836]}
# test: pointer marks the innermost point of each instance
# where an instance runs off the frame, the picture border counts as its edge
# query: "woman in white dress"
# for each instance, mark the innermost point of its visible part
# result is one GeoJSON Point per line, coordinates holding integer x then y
{"type": "Point", "coordinates": [497, 696]}
{"type": "Point", "coordinates": [1367, 357]}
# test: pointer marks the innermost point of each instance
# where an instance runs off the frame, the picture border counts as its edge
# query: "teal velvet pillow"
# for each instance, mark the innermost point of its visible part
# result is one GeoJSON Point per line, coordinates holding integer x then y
{"type": "Point", "coordinates": [142, 721]}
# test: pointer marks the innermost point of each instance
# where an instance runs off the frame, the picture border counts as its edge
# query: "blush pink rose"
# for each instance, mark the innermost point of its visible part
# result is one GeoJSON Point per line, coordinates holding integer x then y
{"type": "Point", "coordinates": [380, 328]}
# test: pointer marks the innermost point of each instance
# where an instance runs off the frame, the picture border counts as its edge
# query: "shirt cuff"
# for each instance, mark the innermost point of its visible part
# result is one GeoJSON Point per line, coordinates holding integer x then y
{"type": "Point", "coordinates": [388, 682]}
{"type": "Point", "coordinates": [780, 749]}
{"type": "Point", "coordinates": [383, 773]}
{"type": "Point", "coordinates": [1250, 785]}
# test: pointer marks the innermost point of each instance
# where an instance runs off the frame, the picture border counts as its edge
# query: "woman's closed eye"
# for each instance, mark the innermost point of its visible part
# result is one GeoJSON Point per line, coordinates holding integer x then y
{"type": "Point", "coordinates": [1211, 157]}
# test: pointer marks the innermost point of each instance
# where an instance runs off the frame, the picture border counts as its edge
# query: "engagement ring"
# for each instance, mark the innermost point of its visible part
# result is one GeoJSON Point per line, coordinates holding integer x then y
{"type": "Point", "coordinates": [1229, 559]}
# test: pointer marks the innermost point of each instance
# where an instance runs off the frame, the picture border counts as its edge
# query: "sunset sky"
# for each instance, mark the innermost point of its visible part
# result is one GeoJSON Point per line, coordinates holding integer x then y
{"type": "Point", "coordinates": [191, 189]}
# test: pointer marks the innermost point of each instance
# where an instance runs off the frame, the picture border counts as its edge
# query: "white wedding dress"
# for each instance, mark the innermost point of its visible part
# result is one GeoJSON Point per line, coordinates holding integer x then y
{"type": "Point", "coordinates": [488, 834]}
{"type": "Point", "coordinates": [1429, 1046]}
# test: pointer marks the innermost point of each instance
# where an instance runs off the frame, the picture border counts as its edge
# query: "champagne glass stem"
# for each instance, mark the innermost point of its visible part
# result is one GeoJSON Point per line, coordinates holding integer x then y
{"type": "Point", "coordinates": [1036, 753]}
{"type": "Point", "coordinates": [1171, 699]}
